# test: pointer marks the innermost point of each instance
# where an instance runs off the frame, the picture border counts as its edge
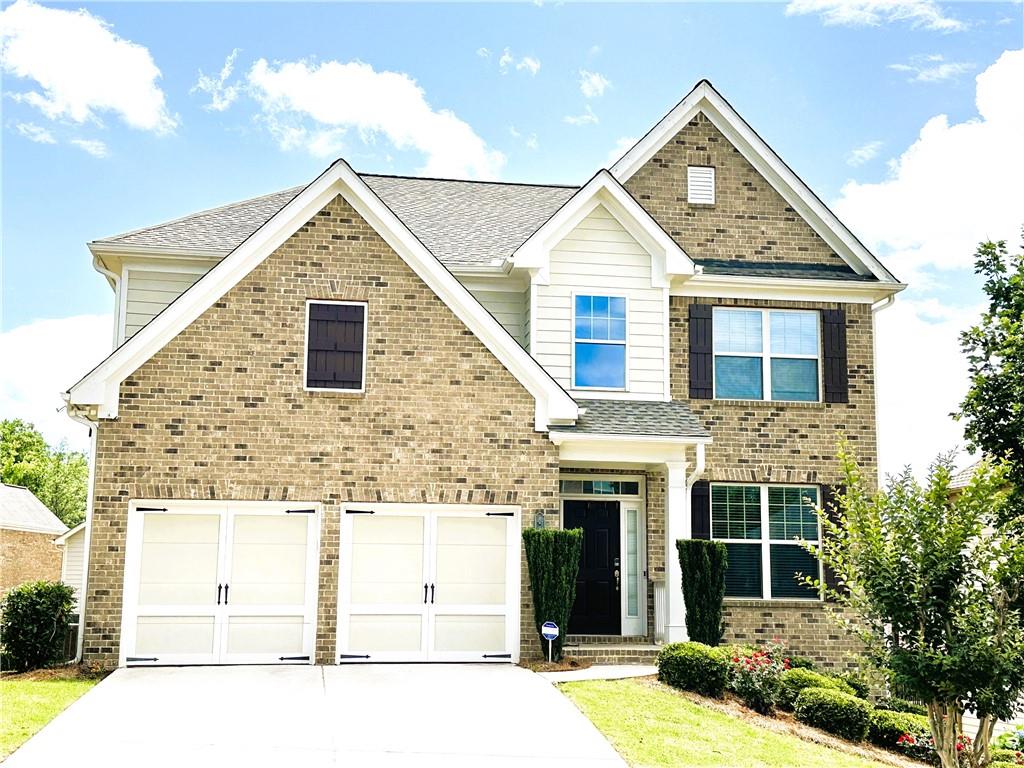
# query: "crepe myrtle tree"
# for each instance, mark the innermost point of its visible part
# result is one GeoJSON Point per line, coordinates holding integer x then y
{"type": "Point", "coordinates": [931, 583]}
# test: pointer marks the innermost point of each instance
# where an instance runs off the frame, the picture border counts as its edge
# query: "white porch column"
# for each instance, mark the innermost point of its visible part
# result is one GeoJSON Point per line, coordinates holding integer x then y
{"type": "Point", "coordinates": [677, 526]}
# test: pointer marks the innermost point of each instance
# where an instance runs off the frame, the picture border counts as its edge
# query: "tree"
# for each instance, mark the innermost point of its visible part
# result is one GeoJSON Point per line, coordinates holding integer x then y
{"type": "Point", "coordinates": [931, 584]}
{"type": "Point", "coordinates": [57, 476]}
{"type": "Point", "coordinates": [993, 410]}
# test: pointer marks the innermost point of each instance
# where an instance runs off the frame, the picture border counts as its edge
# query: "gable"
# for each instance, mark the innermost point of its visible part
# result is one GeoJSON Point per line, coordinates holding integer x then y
{"type": "Point", "coordinates": [98, 393]}
{"type": "Point", "coordinates": [749, 220]}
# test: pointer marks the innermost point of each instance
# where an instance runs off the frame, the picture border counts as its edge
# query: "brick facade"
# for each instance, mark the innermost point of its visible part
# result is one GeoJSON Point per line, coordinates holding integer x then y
{"type": "Point", "coordinates": [220, 413]}
{"type": "Point", "coordinates": [749, 220]}
{"type": "Point", "coordinates": [27, 556]}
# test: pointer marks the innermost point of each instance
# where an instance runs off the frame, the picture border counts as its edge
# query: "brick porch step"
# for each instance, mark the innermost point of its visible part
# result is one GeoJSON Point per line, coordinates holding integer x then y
{"type": "Point", "coordinates": [642, 652]}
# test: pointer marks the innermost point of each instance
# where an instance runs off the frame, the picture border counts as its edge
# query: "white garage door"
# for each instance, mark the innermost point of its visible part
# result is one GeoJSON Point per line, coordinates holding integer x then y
{"type": "Point", "coordinates": [429, 583]}
{"type": "Point", "coordinates": [220, 583]}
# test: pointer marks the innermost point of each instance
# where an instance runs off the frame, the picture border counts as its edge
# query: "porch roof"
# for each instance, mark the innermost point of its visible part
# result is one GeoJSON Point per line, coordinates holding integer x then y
{"type": "Point", "coordinates": [636, 418]}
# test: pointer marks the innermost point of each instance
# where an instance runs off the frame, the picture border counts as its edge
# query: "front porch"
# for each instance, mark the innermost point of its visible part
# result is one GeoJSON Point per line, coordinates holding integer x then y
{"type": "Point", "coordinates": [630, 493]}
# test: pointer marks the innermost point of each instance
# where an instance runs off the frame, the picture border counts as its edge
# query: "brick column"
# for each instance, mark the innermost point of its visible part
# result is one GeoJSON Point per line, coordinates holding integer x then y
{"type": "Point", "coordinates": [677, 526]}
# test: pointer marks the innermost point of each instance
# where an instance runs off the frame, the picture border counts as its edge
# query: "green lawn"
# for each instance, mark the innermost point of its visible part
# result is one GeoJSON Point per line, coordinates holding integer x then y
{"type": "Point", "coordinates": [27, 704]}
{"type": "Point", "coordinates": [652, 726]}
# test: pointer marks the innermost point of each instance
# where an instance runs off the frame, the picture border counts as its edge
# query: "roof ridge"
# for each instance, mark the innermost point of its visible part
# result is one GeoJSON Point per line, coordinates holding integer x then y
{"type": "Point", "coordinates": [194, 214]}
{"type": "Point", "coordinates": [467, 181]}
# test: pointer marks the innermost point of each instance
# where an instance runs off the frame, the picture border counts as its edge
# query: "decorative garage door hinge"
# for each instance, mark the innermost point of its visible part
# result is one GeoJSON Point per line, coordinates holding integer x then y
{"type": "Point", "coordinates": [130, 659]}
{"type": "Point", "coordinates": [353, 656]}
{"type": "Point", "coordinates": [497, 656]}
{"type": "Point", "coordinates": [300, 511]}
{"type": "Point", "coordinates": [151, 509]}
{"type": "Point", "coordinates": [293, 658]}
{"type": "Point", "coordinates": [500, 514]}
{"type": "Point", "coordinates": [358, 511]}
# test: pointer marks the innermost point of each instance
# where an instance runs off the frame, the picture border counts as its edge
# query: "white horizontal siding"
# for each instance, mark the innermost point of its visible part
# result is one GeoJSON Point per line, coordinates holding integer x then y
{"type": "Point", "coordinates": [73, 561]}
{"type": "Point", "coordinates": [148, 292]}
{"type": "Point", "coordinates": [600, 256]}
{"type": "Point", "coordinates": [509, 308]}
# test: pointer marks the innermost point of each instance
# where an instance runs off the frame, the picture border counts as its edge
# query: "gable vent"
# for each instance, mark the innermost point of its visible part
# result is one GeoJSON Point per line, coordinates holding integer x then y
{"type": "Point", "coordinates": [700, 184]}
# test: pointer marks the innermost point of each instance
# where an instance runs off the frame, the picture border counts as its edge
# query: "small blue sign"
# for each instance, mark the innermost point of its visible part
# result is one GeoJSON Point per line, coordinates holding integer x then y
{"type": "Point", "coordinates": [549, 630]}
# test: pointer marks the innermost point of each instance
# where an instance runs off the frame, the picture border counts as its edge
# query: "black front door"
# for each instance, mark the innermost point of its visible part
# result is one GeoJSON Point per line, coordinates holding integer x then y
{"type": "Point", "coordinates": [597, 607]}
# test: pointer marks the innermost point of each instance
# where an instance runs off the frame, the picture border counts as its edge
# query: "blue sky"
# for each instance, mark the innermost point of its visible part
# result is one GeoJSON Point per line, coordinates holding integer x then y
{"type": "Point", "coordinates": [818, 79]}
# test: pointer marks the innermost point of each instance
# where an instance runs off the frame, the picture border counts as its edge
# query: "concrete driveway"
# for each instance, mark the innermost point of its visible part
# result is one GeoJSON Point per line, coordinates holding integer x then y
{"type": "Point", "coordinates": [313, 717]}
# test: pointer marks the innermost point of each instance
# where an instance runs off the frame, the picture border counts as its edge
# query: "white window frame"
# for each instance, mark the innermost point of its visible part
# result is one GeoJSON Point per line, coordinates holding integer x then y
{"type": "Point", "coordinates": [765, 541]}
{"type": "Point", "coordinates": [305, 347]}
{"type": "Point", "coordinates": [765, 354]}
{"type": "Point", "coordinates": [572, 342]}
{"type": "Point", "coordinates": [690, 199]}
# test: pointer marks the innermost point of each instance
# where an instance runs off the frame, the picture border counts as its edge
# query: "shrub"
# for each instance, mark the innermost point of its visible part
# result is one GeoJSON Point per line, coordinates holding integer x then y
{"type": "Point", "coordinates": [703, 564]}
{"type": "Point", "coordinates": [1012, 740]}
{"type": "Point", "coordinates": [834, 711]}
{"type": "Point", "coordinates": [34, 620]}
{"type": "Point", "coordinates": [902, 705]}
{"type": "Point", "coordinates": [795, 680]}
{"type": "Point", "coordinates": [1007, 756]}
{"type": "Point", "coordinates": [553, 560]}
{"type": "Point", "coordinates": [887, 726]}
{"type": "Point", "coordinates": [801, 662]}
{"type": "Point", "coordinates": [694, 667]}
{"type": "Point", "coordinates": [757, 678]}
{"type": "Point", "coordinates": [860, 685]}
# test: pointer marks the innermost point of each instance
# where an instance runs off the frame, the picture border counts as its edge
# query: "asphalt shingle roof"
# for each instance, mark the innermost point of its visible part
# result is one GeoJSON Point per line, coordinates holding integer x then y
{"type": "Point", "coordinates": [20, 510]}
{"type": "Point", "coordinates": [636, 417]}
{"type": "Point", "coordinates": [781, 269]}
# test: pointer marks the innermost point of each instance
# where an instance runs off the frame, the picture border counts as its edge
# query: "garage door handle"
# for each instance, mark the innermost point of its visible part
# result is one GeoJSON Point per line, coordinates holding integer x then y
{"type": "Point", "coordinates": [219, 588]}
{"type": "Point", "coordinates": [225, 594]}
{"type": "Point", "coordinates": [424, 594]}
{"type": "Point", "coordinates": [431, 594]}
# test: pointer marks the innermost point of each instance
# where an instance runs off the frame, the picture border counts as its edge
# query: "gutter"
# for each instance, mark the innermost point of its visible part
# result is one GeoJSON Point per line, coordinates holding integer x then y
{"type": "Point", "coordinates": [90, 491]}
{"type": "Point", "coordinates": [698, 470]}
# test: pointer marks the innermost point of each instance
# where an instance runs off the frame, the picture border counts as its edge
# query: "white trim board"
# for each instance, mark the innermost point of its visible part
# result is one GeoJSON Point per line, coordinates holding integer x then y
{"type": "Point", "coordinates": [704, 98]}
{"type": "Point", "coordinates": [101, 386]}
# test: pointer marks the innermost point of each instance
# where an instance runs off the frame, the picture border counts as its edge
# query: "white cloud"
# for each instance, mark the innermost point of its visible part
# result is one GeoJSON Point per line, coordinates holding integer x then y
{"type": "Point", "coordinates": [36, 133]}
{"type": "Point", "coordinates": [864, 153]}
{"type": "Point", "coordinates": [586, 118]}
{"type": "Point", "coordinates": [531, 141]}
{"type": "Point", "coordinates": [917, 340]}
{"type": "Point", "coordinates": [221, 94]}
{"type": "Point", "coordinates": [508, 61]}
{"type": "Point", "coordinates": [595, 50]}
{"type": "Point", "coordinates": [926, 14]}
{"type": "Point", "coordinates": [81, 66]}
{"type": "Point", "coordinates": [94, 147]}
{"type": "Point", "coordinates": [483, 53]}
{"type": "Point", "coordinates": [316, 105]}
{"type": "Point", "coordinates": [593, 84]}
{"type": "Point", "coordinates": [956, 185]}
{"type": "Point", "coordinates": [44, 358]}
{"type": "Point", "coordinates": [622, 145]}
{"type": "Point", "coordinates": [932, 68]}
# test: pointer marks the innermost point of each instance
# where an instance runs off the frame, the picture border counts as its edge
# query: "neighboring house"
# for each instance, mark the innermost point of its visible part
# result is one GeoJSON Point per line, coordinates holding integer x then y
{"type": "Point", "coordinates": [27, 529]}
{"type": "Point", "coordinates": [331, 410]}
{"type": "Point", "coordinates": [72, 565]}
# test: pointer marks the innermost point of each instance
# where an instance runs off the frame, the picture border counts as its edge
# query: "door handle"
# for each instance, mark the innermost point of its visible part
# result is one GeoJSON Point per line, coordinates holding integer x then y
{"type": "Point", "coordinates": [424, 594]}
{"type": "Point", "coordinates": [219, 588]}
{"type": "Point", "coordinates": [226, 594]}
{"type": "Point", "coordinates": [616, 579]}
{"type": "Point", "coordinates": [431, 594]}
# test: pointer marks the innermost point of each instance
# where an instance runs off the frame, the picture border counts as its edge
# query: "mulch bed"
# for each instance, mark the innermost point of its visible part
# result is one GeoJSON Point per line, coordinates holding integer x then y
{"type": "Point", "coordinates": [69, 672]}
{"type": "Point", "coordinates": [567, 664]}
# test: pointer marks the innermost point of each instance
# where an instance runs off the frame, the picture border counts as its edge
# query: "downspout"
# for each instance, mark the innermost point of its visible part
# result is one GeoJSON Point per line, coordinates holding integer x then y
{"type": "Point", "coordinates": [90, 490]}
{"type": "Point", "coordinates": [698, 469]}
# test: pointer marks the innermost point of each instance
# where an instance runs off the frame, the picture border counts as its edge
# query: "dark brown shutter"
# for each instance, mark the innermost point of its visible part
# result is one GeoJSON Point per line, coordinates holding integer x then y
{"type": "Point", "coordinates": [701, 356]}
{"type": "Point", "coordinates": [334, 346]}
{"type": "Point", "coordinates": [828, 503]}
{"type": "Point", "coordinates": [700, 510]}
{"type": "Point", "coordinates": [835, 373]}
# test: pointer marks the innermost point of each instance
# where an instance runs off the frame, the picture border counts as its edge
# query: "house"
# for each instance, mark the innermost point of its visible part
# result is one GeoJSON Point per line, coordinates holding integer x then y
{"type": "Point", "coordinates": [331, 410]}
{"type": "Point", "coordinates": [72, 563]}
{"type": "Point", "coordinates": [27, 528]}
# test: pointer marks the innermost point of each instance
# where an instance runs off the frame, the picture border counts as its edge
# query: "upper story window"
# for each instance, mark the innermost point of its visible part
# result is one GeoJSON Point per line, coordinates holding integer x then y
{"type": "Point", "coordinates": [599, 342]}
{"type": "Point", "coordinates": [766, 354]}
{"type": "Point", "coordinates": [336, 345]}
{"type": "Point", "coordinates": [762, 526]}
{"type": "Point", "coordinates": [700, 184]}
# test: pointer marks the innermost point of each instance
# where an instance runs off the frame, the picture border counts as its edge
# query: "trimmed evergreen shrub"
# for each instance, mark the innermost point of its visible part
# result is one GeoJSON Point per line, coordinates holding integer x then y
{"type": "Point", "coordinates": [795, 680]}
{"type": "Point", "coordinates": [703, 564]}
{"type": "Point", "coordinates": [834, 711]}
{"type": "Point", "coordinates": [802, 662]}
{"type": "Point", "coordinates": [694, 667]}
{"type": "Point", "coordinates": [553, 560]}
{"type": "Point", "coordinates": [902, 705]}
{"type": "Point", "coordinates": [34, 623]}
{"type": "Point", "coordinates": [887, 726]}
{"type": "Point", "coordinates": [1008, 756]}
{"type": "Point", "coordinates": [861, 687]}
